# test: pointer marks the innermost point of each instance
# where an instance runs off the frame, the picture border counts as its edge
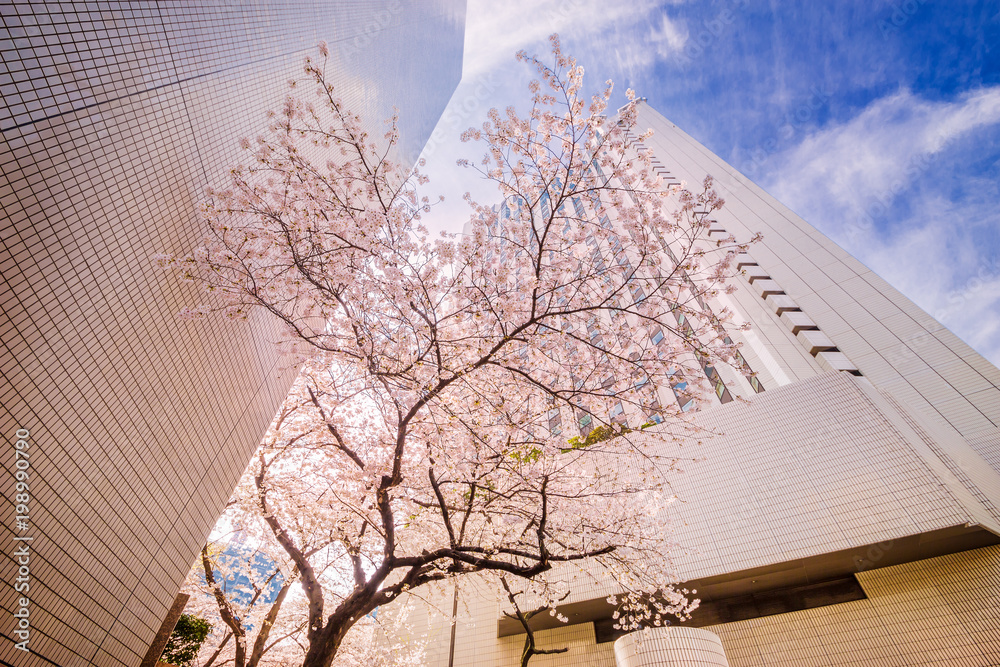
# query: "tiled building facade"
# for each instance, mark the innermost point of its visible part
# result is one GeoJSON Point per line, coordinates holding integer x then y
{"type": "Point", "coordinates": [115, 117]}
{"type": "Point", "coordinates": [847, 515]}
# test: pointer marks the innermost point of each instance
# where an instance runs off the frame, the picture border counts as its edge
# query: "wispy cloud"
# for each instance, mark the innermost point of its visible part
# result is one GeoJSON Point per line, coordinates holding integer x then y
{"type": "Point", "coordinates": [669, 38]}
{"type": "Point", "coordinates": [657, 37]}
{"type": "Point", "coordinates": [939, 265]}
{"type": "Point", "coordinates": [879, 153]}
{"type": "Point", "coordinates": [495, 31]}
{"type": "Point", "coordinates": [896, 186]}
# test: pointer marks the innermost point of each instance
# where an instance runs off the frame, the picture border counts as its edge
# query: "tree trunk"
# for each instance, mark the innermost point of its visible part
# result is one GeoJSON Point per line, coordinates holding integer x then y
{"type": "Point", "coordinates": [323, 649]}
{"type": "Point", "coordinates": [265, 631]}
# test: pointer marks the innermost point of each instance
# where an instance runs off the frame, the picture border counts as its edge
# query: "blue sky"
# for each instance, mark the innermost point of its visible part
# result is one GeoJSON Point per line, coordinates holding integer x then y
{"type": "Point", "coordinates": [878, 122]}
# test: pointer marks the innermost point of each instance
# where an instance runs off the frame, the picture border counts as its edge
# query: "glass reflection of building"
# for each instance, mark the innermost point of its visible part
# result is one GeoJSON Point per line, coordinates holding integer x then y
{"type": "Point", "coordinates": [610, 257]}
{"type": "Point", "coordinates": [249, 578]}
{"type": "Point", "coordinates": [114, 119]}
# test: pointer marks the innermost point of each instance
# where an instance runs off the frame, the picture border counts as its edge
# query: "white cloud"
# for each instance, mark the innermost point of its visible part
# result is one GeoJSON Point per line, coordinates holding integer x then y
{"type": "Point", "coordinates": [669, 39]}
{"type": "Point", "coordinates": [954, 282]}
{"type": "Point", "coordinates": [496, 31]}
{"type": "Point", "coordinates": [850, 180]}
{"type": "Point", "coordinates": [641, 48]}
{"type": "Point", "coordinates": [863, 164]}
{"type": "Point", "coordinates": [492, 77]}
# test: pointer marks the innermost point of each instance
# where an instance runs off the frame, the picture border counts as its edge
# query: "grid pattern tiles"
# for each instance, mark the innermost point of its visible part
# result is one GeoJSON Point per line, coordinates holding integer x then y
{"type": "Point", "coordinates": [775, 486]}
{"type": "Point", "coordinates": [115, 117]}
{"type": "Point", "coordinates": [771, 487]}
{"type": "Point", "coordinates": [821, 466]}
{"type": "Point", "coordinates": [939, 611]}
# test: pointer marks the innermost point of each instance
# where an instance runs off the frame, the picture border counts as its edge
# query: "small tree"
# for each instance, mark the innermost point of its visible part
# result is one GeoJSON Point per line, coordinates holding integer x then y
{"type": "Point", "coordinates": [185, 641]}
{"type": "Point", "coordinates": [419, 443]}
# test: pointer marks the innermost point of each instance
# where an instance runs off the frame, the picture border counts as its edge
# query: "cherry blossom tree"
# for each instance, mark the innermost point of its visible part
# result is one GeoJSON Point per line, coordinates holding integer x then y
{"type": "Point", "coordinates": [242, 592]}
{"type": "Point", "coordinates": [427, 436]}
{"type": "Point", "coordinates": [524, 617]}
{"type": "Point", "coordinates": [258, 614]}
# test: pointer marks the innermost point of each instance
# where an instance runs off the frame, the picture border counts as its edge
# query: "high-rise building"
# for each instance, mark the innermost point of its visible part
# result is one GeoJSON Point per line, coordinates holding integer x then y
{"type": "Point", "coordinates": [846, 512]}
{"type": "Point", "coordinates": [137, 426]}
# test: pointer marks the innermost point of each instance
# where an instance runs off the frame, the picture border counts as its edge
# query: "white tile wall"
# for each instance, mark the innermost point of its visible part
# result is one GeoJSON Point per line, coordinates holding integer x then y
{"type": "Point", "coordinates": [674, 646]}
{"type": "Point", "coordinates": [115, 116]}
{"type": "Point", "coordinates": [813, 467]}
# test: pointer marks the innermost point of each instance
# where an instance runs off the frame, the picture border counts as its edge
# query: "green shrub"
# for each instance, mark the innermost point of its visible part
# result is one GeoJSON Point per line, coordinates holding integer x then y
{"type": "Point", "coordinates": [188, 636]}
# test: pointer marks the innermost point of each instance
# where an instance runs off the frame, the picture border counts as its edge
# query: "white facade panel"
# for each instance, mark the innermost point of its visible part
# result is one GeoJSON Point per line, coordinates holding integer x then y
{"type": "Point", "coordinates": [826, 280]}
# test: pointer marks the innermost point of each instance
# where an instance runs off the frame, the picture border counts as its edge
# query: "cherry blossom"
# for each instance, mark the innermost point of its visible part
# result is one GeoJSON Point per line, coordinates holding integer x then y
{"type": "Point", "coordinates": [472, 403]}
